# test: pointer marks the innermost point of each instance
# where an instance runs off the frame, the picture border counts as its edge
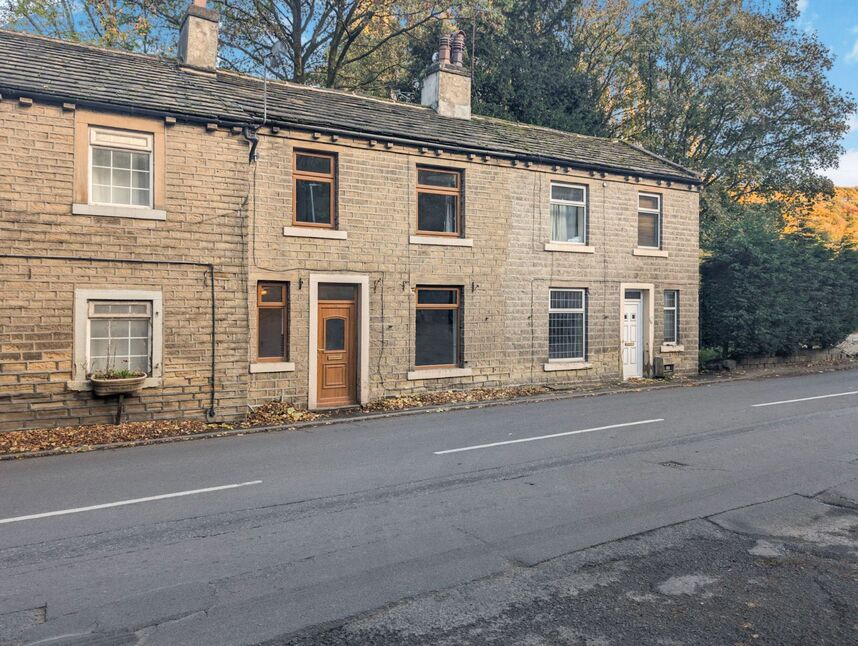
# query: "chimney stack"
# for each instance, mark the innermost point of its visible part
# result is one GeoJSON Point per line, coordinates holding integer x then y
{"type": "Point", "coordinates": [447, 84]}
{"type": "Point", "coordinates": [198, 37]}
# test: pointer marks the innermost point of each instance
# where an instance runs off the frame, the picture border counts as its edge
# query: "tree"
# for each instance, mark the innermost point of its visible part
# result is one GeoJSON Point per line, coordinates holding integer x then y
{"type": "Point", "coordinates": [764, 292]}
{"type": "Point", "coordinates": [524, 67]}
{"type": "Point", "coordinates": [736, 92]}
{"type": "Point", "coordinates": [112, 23]}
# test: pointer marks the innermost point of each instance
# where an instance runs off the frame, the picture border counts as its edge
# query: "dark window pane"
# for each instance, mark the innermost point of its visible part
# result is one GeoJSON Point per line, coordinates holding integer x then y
{"type": "Point", "coordinates": [437, 212]}
{"type": "Point", "coordinates": [565, 336]}
{"type": "Point", "coordinates": [313, 201]}
{"type": "Point", "coordinates": [647, 230]}
{"type": "Point", "coordinates": [670, 326]}
{"type": "Point", "coordinates": [567, 193]}
{"type": "Point", "coordinates": [437, 296]}
{"type": "Point", "coordinates": [567, 299]}
{"type": "Point", "coordinates": [272, 335]}
{"type": "Point", "coordinates": [648, 202]}
{"type": "Point", "coordinates": [670, 298]}
{"type": "Point", "coordinates": [436, 341]}
{"type": "Point", "coordinates": [332, 292]}
{"type": "Point", "coordinates": [335, 334]}
{"type": "Point", "coordinates": [633, 294]}
{"type": "Point", "coordinates": [429, 177]}
{"type": "Point", "coordinates": [272, 293]}
{"type": "Point", "coordinates": [309, 164]}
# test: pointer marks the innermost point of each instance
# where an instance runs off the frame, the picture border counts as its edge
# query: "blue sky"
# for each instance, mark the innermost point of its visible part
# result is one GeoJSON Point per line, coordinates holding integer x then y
{"type": "Point", "coordinates": [836, 24]}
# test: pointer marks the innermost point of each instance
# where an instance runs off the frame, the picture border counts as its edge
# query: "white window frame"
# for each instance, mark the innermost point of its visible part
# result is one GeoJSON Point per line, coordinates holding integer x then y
{"type": "Point", "coordinates": [122, 140]}
{"type": "Point", "coordinates": [675, 310]}
{"type": "Point", "coordinates": [82, 299]}
{"type": "Point", "coordinates": [582, 203]}
{"type": "Point", "coordinates": [657, 212]}
{"type": "Point", "coordinates": [569, 310]}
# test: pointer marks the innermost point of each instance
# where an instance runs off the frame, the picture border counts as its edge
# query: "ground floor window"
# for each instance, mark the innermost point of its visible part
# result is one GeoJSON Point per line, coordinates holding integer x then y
{"type": "Point", "coordinates": [567, 322]}
{"type": "Point", "coordinates": [120, 336]}
{"type": "Point", "coordinates": [437, 328]}
{"type": "Point", "coordinates": [272, 321]}
{"type": "Point", "coordinates": [671, 316]}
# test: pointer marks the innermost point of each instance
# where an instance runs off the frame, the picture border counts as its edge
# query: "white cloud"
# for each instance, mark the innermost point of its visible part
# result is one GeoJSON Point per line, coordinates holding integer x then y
{"type": "Point", "coordinates": [852, 56]}
{"type": "Point", "coordinates": [847, 173]}
{"type": "Point", "coordinates": [802, 5]}
{"type": "Point", "coordinates": [853, 123]}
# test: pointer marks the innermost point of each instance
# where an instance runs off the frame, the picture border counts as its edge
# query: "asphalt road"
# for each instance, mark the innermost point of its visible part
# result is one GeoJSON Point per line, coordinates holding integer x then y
{"type": "Point", "coordinates": [258, 537]}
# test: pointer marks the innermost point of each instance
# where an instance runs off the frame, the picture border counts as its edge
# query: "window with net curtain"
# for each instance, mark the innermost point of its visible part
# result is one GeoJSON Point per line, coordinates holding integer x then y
{"type": "Point", "coordinates": [120, 336]}
{"type": "Point", "coordinates": [568, 213]}
{"type": "Point", "coordinates": [439, 198]}
{"type": "Point", "coordinates": [567, 336]}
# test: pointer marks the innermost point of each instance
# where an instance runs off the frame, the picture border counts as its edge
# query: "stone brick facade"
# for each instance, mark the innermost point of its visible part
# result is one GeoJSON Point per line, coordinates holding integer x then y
{"type": "Point", "coordinates": [227, 212]}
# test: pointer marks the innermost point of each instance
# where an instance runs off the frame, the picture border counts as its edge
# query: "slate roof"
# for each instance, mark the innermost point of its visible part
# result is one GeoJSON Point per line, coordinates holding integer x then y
{"type": "Point", "coordinates": [53, 69]}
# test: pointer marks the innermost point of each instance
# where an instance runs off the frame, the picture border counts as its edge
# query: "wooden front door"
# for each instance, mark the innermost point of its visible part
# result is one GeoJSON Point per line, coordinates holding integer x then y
{"type": "Point", "coordinates": [337, 352]}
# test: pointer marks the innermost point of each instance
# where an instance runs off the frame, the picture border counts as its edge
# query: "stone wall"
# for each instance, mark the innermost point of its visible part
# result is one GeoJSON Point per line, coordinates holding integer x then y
{"type": "Point", "coordinates": [230, 213]}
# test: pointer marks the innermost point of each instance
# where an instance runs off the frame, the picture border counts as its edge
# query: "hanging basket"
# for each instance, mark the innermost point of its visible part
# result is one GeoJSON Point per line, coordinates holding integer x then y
{"type": "Point", "coordinates": [108, 387]}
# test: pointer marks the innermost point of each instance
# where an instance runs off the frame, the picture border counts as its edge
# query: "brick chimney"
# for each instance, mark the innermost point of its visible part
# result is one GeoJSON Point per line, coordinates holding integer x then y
{"type": "Point", "coordinates": [198, 37]}
{"type": "Point", "coordinates": [447, 84]}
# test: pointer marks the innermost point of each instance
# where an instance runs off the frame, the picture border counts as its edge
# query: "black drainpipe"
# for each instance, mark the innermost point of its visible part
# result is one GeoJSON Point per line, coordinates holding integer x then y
{"type": "Point", "coordinates": [211, 412]}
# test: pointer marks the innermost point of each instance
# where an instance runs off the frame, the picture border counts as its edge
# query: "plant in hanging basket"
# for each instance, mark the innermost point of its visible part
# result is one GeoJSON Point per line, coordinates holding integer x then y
{"type": "Point", "coordinates": [116, 382]}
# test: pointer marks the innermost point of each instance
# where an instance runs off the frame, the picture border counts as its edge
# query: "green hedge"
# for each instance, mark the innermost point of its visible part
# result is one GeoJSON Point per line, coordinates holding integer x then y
{"type": "Point", "coordinates": [767, 293]}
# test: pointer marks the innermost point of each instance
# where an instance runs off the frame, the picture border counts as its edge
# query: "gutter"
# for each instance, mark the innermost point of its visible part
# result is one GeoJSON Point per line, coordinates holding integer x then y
{"type": "Point", "coordinates": [304, 127]}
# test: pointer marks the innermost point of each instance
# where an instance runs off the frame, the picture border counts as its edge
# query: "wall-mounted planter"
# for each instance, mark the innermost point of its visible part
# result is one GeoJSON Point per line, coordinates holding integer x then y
{"type": "Point", "coordinates": [108, 387]}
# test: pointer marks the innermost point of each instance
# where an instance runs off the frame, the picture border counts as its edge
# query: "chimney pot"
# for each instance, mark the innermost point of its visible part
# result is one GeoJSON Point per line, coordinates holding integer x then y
{"type": "Point", "coordinates": [458, 48]}
{"type": "Point", "coordinates": [444, 50]}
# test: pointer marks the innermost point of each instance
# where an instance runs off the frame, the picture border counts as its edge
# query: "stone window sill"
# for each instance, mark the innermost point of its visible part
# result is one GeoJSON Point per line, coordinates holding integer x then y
{"type": "Point", "coordinates": [569, 247]}
{"type": "Point", "coordinates": [555, 366]}
{"type": "Point", "coordinates": [439, 373]}
{"type": "Point", "coordinates": [272, 366]}
{"type": "Point", "coordinates": [136, 212]}
{"type": "Point", "coordinates": [441, 241]}
{"type": "Point", "coordinates": [85, 385]}
{"type": "Point", "coordinates": [665, 349]}
{"type": "Point", "coordinates": [653, 253]}
{"type": "Point", "coordinates": [315, 232]}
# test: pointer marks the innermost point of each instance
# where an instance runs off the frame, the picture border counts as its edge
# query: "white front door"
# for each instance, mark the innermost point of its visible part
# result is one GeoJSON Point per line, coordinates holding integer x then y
{"type": "Point", "coordinates": [633, 338]}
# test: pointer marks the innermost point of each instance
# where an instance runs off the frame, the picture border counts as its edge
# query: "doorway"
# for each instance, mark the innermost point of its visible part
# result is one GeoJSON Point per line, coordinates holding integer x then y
{"type": "Point", "coordinates": [632, 338]}
{"type": "Point", "coordinates": [337, 345]}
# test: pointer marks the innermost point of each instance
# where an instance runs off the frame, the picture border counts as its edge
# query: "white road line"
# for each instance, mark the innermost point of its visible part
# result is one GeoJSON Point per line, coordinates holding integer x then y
{"type": "Point", "coordinates": [548, 437]}
{"type": "Point", "coordinates": [805, 399]}
{"type": "Point", "coordinates": [133, 501]}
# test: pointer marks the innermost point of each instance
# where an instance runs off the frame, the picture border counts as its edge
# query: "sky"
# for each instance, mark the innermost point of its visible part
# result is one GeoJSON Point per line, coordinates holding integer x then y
{"type": "Point", "coordinates": [836, 24]}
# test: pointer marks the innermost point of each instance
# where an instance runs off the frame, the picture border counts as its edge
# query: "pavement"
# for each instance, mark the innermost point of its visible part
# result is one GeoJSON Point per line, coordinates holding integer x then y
{"type": "Point", "coordinates": [720, 514]}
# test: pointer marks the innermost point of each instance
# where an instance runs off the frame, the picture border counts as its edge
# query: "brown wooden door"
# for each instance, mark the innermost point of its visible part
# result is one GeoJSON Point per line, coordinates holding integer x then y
{"type": "Point", "coordinates": [337, 352]}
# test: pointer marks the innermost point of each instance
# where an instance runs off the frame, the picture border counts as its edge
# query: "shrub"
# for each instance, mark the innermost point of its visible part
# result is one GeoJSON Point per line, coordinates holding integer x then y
{"type": "Point", "coordinates": [763, 292]}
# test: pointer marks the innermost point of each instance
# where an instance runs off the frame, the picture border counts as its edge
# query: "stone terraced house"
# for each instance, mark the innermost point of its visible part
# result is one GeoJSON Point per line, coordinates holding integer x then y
{"type": "Point", "coordinates": [240, 244]}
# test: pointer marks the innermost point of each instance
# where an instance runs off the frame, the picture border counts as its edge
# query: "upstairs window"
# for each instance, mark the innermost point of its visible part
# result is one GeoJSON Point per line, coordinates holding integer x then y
{"type": "Point", "coordinates": [120, 168]}
{"type": "Point", "coordinates": [567, 324]}
{"type": "Point", "coordinates": [119, 336]}
{"type": "Point", "coordinates": [649, 220]}
{"type": "Point", "coordinates": [568, 213]}
{"type": "Point", "coordinates": [439, 201]}
{"type": "Point", "coordinates": [313, 202]}
{"type": "Point", "coordinates": [671, 316]}
{"type": "Point", "coordinates": [437, 331]}
{"type": "Point", "coordinates": [273, 323]}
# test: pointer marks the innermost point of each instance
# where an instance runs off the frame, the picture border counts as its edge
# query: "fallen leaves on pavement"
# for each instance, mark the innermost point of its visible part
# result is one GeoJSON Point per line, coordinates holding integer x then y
{"type": "Point", "coordinates": [453, 397]}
